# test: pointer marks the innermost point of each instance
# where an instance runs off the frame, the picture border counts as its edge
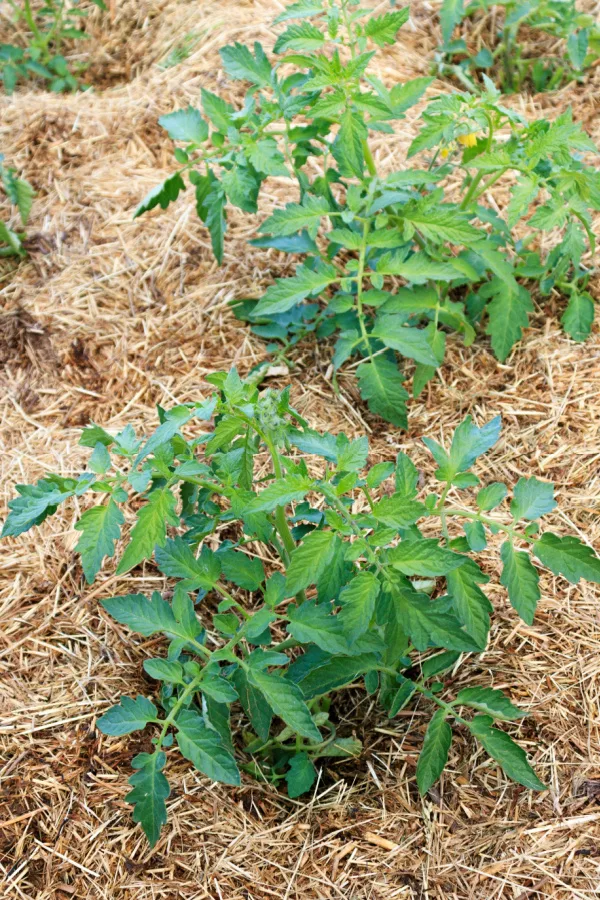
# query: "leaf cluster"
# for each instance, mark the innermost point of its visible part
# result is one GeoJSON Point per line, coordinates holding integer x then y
{"type": "Point", "coordinates": [294, 569]}
{"type": "Point", "coordinates": [386, 264]}
{"type": "Point", "coordinates": [19, 195]}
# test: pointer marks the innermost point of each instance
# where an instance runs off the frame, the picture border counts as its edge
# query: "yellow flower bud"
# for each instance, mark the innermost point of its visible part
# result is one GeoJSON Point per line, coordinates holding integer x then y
{"type": "Point", "coordinates": [467, 140]}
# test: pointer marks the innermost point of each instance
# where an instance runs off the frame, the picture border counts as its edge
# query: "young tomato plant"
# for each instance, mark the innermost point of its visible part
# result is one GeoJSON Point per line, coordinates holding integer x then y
{"type": "Point", "coordinates": [512, 60]}
{"type": "Point", "coordinates": [47, 28]}
{"type": "Point", "coordinates": [19, 194]}
{"type": "Point", "coordinates": [331, 572]}
{"type": "Point", "coordinates": [388, 262]}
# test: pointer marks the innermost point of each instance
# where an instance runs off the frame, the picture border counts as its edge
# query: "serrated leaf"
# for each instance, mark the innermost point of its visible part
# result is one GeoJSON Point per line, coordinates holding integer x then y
{"type": "Point", "coordinates": [254, 704]}
{"type": "Point", "coordinates": [443, 223]}
{"type": "Point", "coordinates": [164, 670]}
{"type": "Point", "coordinates": [413, 343]}
{"type": "Point", "coordinates": [427, 627]}
{"type": "Point", "coordinates": [380, 384]}
{"type": "Point", "coordinates": [424, 557]}
{"type": "Point", "coordinates": [141, 614]}
{"type": "Point", "coordinates": [290, 489]}
{"type": "Point", "coordinates": [578, 317]}
{"type": "Point", "coordinates": [511, 758]}
{"type": "Point", "coordinates": [286, 701]}
{"type": "Point", "coordinates": [301, 36]}
{"type": "Point", "coordinates": [296, 216]}
{"type": "Point", "coordinates": [100, 528]}
{"type": "Point", "coordinates": [398, 511]}
{"type": "Point", "coordinates": [521, 580]}
{"type": "Point", "coordinates": [21, 196]}
{"type": "Point", "coordinates": [532, 498]}
{"type": "Point", "coordinates": [508, 316]}
{"type": "Point", "coordinates": [357, 600]}
{"type": "Point", "coordinates": [568, 556]}
{"type": "Point", "coordinates": [217, 110]}
{"type": "Point", "coordinates": [241, 186]}
{"type": "Point", "coordinates": [403, 96]}
{"type": "Point", "coordinates": [491, 496]}
{"type": "Point", "coordinates": [490, 701]}
{"type": "Point", "coordinates": [241, 64]}
{"type": "Point", "coordinates": [418, 268]}
{"type": "Point", "coordinates": [35, 503]}
{"type": "Point", "coordinates": [470, 603]}
{"type": "Point", "coordinates": [150, 790]}
{"type": "Point", "coordinates": [434, 755]}
{"type": "Point", "coordinates": [310, 623]}
{"type": "Point", "coordinates": [308, 561]}
{"type": "Point", "coordinates": [352, 455]}
{"type": "Point", "coordinates": [127, 716]}
{"type": "Point", "coordinates": [245, 571]}
{"type": "Point", "coordinates": [205, 749]}
{"type": "Point", "coordinates": [347, 148]}
{"type": "Point", "coordinates": [468, 443]}
{"type": "Point", "coordinates": [287, 292]}
{"type": "Point", "coordinates": [383, 29]}
{"type": "Point", "coordinates": [300, 10]}
{"type": "Point", "coordinates": [150, 530]}
{"type": "Point", "coordinates": [301, 775]}
{"type": "Point", "coordinates": [335, 673]}
{"type": "Point", "coordinates": [176, 560]}
{"type": "Point", "coordinates": [161, 195]}
{"type": "Point", "coordinates": [185, 125]}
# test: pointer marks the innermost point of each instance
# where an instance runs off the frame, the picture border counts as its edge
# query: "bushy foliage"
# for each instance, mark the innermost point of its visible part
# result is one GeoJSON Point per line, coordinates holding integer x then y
{"type": "Point", "coordinates": [47, 28]}
{"type": "Point", "coordinates": [512, 60]}
{"type": "Point", "coordinates": [19, 195]}
{"type": "Point", "coordinates": [388, 263]}
{"type": "Point", "coordinates": [296, 569]}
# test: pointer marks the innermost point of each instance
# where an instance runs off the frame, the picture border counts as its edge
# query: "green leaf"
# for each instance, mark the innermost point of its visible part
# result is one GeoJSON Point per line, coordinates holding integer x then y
{"type": "Point", "coordinates": [185, 125]}
{"type": "Point", "coordinates": [357, 600]}
{"type": "Point", "coordinates": [245, 571]}
{"type": "Point", "coordinates": [240, 64]}
{"type": "Point", "coordinates": [301, 775]}
{"type": "Point", "coordinates": [162, 194]}
{"type": "Point", "coordinates": [254, 704]}
{"type": "Point", "coordinates": [508, 315]}
{"type": "Point", "coordinates": [451, 15]}
{"type": "Point", "coordinates": [204, 748]}
{"type": "Point", "coordinates": [241, 187]}
{"type": "Point", "coordinates": [335, 673]}
{"type": "Point", "coordinates": [521, 580]}
{"type": "Point", "coordinates": [300, 10]}
{"type": "Point", "coordinates": [150, 530]}
{"type": "Point", "coordinates": [402, 696]}
{"type": "Point", "coordinates": [578, 317]}
{"type": "Point", "coordinates": [414, 343]}
{"type": "Point", "coordinates": [296, 216]}
{"type": "Point", "coordinates": [176, 560]}
{"type": "Point", "coordinates": [21, 195]}
{"type": "Point", "coordinates": [266, 157]}
{"type": "Point", "coordinates": [378, 473]}
{"type": "Point", "coordinates": [290, 489]}
{"type": "Point", "coordinates": [442, 224]}
{"type": "Point", "coordinates": [347, 148]}
{"type": "Point", "coordinates": [352, 455]}
{"type": "Point", "coordinates": [398, 511]}
{"type": "Point", "coordinates": [532, 498]}
{"type": "Point", "coordinates": [470, 603]}
{"type": "Point", "coordinates": [129, 715]}
{"type": "Point", "coordinates": [303, 36]}
{"type": "Point", "coordinates": [427, 627]}
{"type": "Point", "coordinates": [100, 527]}
{"type": "Point", "coordinates": [407, 476]}
{"type": "Point", "coordinates": [383, 29]}
{"type": "Point", "coordinates": [287, 292]}
{"type": "Point", "coordinates": [577, 47]}
{"type": "Point", "coordinates": [164, 670]}
{"type": "Point", "coordinates": [309, 560]}
{"type": "Point", "coordinates": [424, 557]}
{"type": "Point", "coordinates": [491, 496]}
{"type": "Point", "coordinates": [403, 96]}
{"type": "Point", "coordinates": [35, 503]}
{"type": "Point", "coordinates": [490, 701]}
{"type": "Point", "coordinates": [380, 384]}
{"type": "Point", "coordinates": [310, 623]}
{"type": "Point", "coordinates": [434, 755]}
{"type": "Point", "coordinates": [286, 701]}
{"type": "Point", "coordinates": [468, 443]}
{"type": "Point", "coordinates": [568, 556]}
{"type": "Point", "coordinates": [141, 614]}
{"type": "Point", "coordinates": [418, 268]}
{"type": "Point", "coordinates": [511, 758]}
{"type": "Point", "coordinates": [217, 110]}
{"type": "Point", "coordinates": [150, 790]}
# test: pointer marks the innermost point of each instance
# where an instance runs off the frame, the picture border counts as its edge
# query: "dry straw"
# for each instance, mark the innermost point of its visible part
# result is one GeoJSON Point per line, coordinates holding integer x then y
{"type": "Point", "coordinates": [108, 317]}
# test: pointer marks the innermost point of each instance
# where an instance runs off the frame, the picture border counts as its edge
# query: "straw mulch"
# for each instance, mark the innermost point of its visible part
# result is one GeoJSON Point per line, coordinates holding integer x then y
{"type": "Point", "coordinates": [106, 318]}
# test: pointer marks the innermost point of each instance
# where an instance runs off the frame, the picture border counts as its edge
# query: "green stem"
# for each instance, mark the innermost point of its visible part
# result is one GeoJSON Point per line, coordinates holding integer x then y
{"type": "Point", "coordinates": [227, 596]}
{"type": "Point", "coordinates": [359, 287]}
{"type": "Point", "coordinates": [192, 686]}
{"type": "Point", "coordinates": [31, 23]}
{"type": "Point", "coordinates": [369, 159]}
{"type": "Point", "coordinates": [491, 523]}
